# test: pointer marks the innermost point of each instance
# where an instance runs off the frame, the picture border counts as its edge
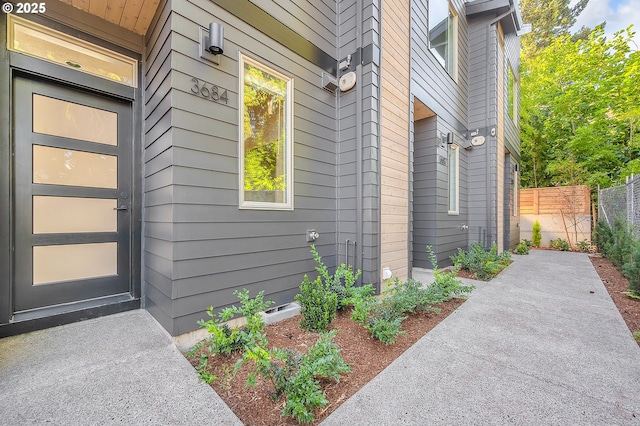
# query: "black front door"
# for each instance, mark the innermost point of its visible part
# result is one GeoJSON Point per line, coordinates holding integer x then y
{"type": "Point", "coordinates": [72, 177]}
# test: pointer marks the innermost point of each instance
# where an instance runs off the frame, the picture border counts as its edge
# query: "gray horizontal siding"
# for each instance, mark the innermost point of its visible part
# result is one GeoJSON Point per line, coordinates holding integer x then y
{"type": "Point", "coordinates": [430, 81]}
{"type": "Point", "coordinates": [199, 245]}
{"type": "Point", "coordinates": [431, 223]}
{"type": "Point", "coordinates": [157, 252]}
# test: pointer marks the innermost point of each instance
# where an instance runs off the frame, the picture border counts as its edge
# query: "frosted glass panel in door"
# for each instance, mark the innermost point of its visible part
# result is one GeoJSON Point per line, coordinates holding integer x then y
{"type": "Point", "coordinates": [56, 166]}
{"type": "Point", "coordinates": [58, 215]}
{"type": "Point", "coordinates": [74, 262]}
{"type": "Point", "coordinates": [61, 118]}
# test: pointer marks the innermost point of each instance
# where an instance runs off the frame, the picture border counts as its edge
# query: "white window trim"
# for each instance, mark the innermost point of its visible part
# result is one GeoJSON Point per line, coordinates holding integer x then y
{"type": "Point", "coordinates": [259, 205]}
{"type": "Point", "coordinates": [456, 149]}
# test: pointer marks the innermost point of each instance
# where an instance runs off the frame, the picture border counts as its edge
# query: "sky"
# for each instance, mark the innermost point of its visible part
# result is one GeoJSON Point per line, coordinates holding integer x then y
{"type": "Point", "coordinates": [619, 14]}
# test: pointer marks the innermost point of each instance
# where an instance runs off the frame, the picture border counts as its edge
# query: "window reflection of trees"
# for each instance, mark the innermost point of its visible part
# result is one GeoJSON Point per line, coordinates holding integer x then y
{"type": "Point", "coordinates": [264, 136]}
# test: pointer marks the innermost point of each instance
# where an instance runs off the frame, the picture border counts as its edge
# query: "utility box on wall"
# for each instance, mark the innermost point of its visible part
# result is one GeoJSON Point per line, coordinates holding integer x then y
{"type": "Point", "coordinates": [563, 212]}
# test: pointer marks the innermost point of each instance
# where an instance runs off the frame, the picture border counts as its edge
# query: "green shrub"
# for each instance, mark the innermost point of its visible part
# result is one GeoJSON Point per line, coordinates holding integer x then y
{"type": "Point", "coordinates": [295, 376]}
{"type": "Point", "coordinates": [584, 246]}
{"type": "Point", "coordinates": [527, 243]}
{"type": "Point", "coordinates": [318, 304]}
{"type": "Point", "coordinates": [603, 237]}
{"type": "Point", "coordinates": [622, 247]}
{"type": "Point", "coordinates": [222, 339]}
{"type": "Point", "coordinates": [484, 264]}
{"type": "Point", "coordinates": [559, 244]}
{"type": "Point", "coordinates": [341, 282]}
{"type": "Point", "coordinates": [536, 235]}
{"type": "Point", "coordinates": [521, 249]}
{"type": "Point", "coordinates": [631, 268]}
{"type": "Point", "coordinates": [446, 285]}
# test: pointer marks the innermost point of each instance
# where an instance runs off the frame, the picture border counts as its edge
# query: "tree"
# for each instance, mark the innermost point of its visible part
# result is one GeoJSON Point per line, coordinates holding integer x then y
{"type": "Point", "coordinates": [581, 111]}
{"type": "Point", "coordinates": [550, 19]}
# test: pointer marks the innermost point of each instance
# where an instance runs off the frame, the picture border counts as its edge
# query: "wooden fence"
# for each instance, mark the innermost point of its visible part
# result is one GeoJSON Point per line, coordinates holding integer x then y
{"type": "Point", "coordinates": [558, 200]}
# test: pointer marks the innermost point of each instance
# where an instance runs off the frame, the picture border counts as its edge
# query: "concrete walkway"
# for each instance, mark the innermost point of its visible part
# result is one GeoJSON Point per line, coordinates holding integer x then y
{"type": "Point", "coordinates": [533, 347]}
{"type": "Point", "coordinates": [542, 344]}
{"type": "Point", "coordinates": [120, 369]}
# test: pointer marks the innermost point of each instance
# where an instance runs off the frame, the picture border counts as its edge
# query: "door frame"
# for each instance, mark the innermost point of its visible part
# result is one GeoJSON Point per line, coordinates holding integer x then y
{"type": "Point", "coordinates": [12, 63]}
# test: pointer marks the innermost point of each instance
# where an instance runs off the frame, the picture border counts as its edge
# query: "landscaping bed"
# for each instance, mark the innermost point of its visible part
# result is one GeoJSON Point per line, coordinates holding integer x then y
{"type": "Point", "coordinates": [365, 355]}
{"type": "Point", "coordinates": [617, 285]}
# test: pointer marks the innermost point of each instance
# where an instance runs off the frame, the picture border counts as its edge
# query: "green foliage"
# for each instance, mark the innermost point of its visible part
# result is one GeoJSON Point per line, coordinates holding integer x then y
{"type": "Point", "coordinates": [559, 244]}
{"type": "Point", "coordinates": [527, 243]}
{"type": "Point", "coordinates": [296, 376]}
{"type": "Point", "coordinates": [636, 335]}
{"type": "Point", "coordinates": [318, 304]}
{"type": "Point", "coordinates": [622, 247]}
{"type": "Point", "coordinates": [584, 246]}
{"type": "Point", "coordinates": [222, 339]}
{"type": "Point", "coordinates": [446, 285]}
{"type": "Point", "coordinates": [341, 282]}
{"type": "Point", "coordinates": [383, 318]}
{"type": "Point", "coordinates": [484, 264]}
{"type": "Point", "coordinates": [536, 235]}
{"type": "Point", "coordinates": [550, 19]}
{"type": "Point", "coordinates": [580, 110]}
{"type": "Point", "coordinates": [521, 248]}
{"type": "Point", "coordinates": [384, 325]}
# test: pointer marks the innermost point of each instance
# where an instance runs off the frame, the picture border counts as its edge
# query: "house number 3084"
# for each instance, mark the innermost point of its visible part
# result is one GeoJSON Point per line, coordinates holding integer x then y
{"type": "Point", "coordinates": [209, 91]}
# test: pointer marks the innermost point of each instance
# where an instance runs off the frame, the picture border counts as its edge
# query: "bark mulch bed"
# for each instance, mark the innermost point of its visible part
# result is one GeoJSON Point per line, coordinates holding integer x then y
{"type": "Point", "coordinates": [366, 357]}
{"type": "Point", "coordinates": [616, 284]}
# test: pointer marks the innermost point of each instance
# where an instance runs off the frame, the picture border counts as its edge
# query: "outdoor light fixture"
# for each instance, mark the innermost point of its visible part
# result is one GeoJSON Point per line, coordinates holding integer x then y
{"type": "Point", "coordinates": [215, 44]}
{"type": "Point", "coordinates": [212, 44]}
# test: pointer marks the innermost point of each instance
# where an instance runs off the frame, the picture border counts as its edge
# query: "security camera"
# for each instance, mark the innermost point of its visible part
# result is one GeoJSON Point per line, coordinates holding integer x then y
{"type": "Point", "coordinates": [215, 43]}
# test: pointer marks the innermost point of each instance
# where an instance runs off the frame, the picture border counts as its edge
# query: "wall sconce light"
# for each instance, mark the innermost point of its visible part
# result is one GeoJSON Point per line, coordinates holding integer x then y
{"type": "Point", "coordinates": [446, 138]}
{"type": "Point", "coordinates": [215, 44]}
{"type": "Point", "coordinates": [212, 44]}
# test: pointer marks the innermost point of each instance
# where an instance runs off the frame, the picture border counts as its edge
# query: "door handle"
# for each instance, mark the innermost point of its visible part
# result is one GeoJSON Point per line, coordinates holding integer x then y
{"type": "Point", "coordinates": [120, 208]}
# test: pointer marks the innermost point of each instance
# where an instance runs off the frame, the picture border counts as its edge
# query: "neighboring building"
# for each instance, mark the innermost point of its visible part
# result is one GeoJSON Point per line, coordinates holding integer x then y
{"type": "Point", "coordinates": [141, 170]}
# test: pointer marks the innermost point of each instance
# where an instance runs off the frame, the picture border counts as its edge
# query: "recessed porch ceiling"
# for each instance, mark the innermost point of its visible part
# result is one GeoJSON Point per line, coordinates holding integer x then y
{"type": "Point", "coordinates": [133, 15]}
{"type": "Point", "coordinates": [421, 111]}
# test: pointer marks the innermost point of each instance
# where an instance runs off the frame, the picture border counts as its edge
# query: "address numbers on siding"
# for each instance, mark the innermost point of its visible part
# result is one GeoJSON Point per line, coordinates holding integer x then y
{"type": "Point", "coordinates": [209, 91]}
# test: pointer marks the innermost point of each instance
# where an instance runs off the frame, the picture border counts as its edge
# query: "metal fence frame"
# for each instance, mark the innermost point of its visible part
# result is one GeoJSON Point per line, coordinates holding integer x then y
{"type": "Point", "coordinates": [621, 202]}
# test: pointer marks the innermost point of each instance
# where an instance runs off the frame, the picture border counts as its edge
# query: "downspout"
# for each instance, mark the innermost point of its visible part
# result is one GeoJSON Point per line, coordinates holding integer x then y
{"type": "Point", "coordinates": [359, 209]}
{"type": "Point", "coordinates": [486, 122]}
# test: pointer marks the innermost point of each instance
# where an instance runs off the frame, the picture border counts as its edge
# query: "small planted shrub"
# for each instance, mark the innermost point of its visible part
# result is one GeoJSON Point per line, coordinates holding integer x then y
{"type": "Point", "coordinates": [536, 235]}
{"type": "Point", "coordinates": [619, 244]}
{"type": "Point", "coordinates": [584, 246]}
{"type": "Point", "coordinates": [521, 249]}
{"type": "Point", "coordinates": [296, 376]}
{"type": "Point", "coordinates": [482, 263]}
{"type": "Point", "coordinates": [527, 243]}
{"type": "Point", "coordinates": [341, 282]}
{"type": "Point", "coordinates": [224, 340]}
{"type": "Point", "coordinates": [559, 244]}
{"type": "Point", "coordinates": [318, 304]}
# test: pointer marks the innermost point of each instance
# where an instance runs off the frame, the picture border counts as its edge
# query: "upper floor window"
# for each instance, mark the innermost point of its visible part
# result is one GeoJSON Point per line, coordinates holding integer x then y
{"type": "Point", "coordinates": [443, 35]}
{"type": "Point", "coordinates": [266, 130]}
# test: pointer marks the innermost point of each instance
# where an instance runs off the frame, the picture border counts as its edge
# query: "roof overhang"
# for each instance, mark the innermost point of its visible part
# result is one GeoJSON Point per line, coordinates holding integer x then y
{"type": "Point", "coordinates": [507, 10]}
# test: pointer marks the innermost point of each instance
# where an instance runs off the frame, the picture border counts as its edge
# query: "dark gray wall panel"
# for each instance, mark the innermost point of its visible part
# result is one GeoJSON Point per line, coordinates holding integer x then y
{"type": "Point", "coordinates": [197, 236]}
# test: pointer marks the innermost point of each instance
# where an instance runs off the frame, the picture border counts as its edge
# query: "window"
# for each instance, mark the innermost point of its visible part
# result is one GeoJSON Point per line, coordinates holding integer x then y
{"type": "Point", "coordinates": [35, 40]}
{"type": "Point", "coordinates": [511, 92]}
{"type": "Point", "coordinates": [516, 185]}
{"type": "Point", "coordinates": [454, 186]}
{"type": "Point", "coordinates": [266, 151]}
{"type": "Point", "coordinates": [443, 35]}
